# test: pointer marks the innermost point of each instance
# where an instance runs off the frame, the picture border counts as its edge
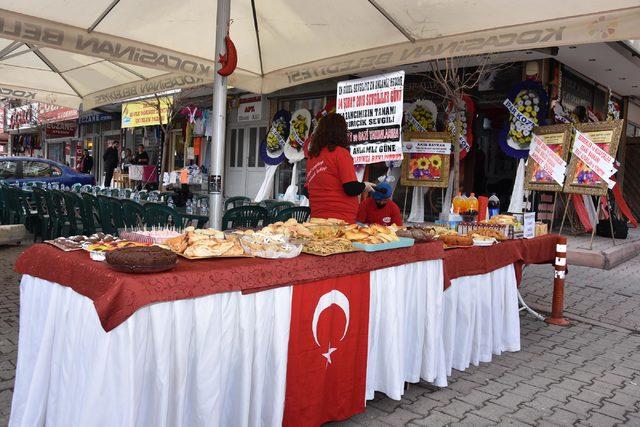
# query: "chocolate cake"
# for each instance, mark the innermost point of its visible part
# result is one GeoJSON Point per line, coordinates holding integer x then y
{"type": "Point", "coordinates": [141, 259]}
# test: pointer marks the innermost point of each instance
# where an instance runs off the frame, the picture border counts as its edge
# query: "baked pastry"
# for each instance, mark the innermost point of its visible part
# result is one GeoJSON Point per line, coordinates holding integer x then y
{"type": "Point", "coordinates": [488, 232]}
{"type": "Point", "coordinates": [141, 256]}
{"type": "Point", "coordinates": [456, 240]}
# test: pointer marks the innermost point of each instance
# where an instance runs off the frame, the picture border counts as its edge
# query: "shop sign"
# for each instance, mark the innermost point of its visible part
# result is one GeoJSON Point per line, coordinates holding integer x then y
{"type": "Point", "coordinates": [66, 129]}
{"type": "Point", "coordinates": [53, 113]}
{"type": "Point", "coordinates": [372, 107]}
{"type": "Point", "coordinates": [23, 117]}
{"type": "Point", "coordinates": [250, 109]}
{"type": "Point", "coordinates": [145, 113]}
{"type": "Point", "coordinates": [95, 117]}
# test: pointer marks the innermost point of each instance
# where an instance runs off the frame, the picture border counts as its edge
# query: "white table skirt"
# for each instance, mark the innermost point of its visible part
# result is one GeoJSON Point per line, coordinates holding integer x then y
{"type": "Point", "coordinates": [221, 359]}
{"type": "Point", "coordinates": [481, 318]}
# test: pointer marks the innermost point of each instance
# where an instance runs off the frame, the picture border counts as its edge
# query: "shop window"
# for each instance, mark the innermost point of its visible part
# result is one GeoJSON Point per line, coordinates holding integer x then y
{"type": "Point", "coordinates": [232, 151]}
{"type": "Point", "coordinates": [240, 156]}
{"type": "Point", "coordinates": [7, 169]}
{"type": "Point", "coordinates": [37, 170]}
{"type": "Point", "coordinates": [631, 129]}
{"type": "Point", "coordinates": [253, 148]}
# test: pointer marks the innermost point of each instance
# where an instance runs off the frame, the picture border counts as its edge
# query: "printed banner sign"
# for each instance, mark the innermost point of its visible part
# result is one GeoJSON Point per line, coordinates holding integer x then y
{"type": "Point", "coordinates": [426, 147]}
{"type": "Point", "coordinates": [250, 108]}
{"type": "Point", "coordinates": [518, 115]}
{"type": "Point", "coordinates": [145, 113]}
{"type": "Point", "coordinates": [53, 113]}
{"type": "Point", "coordinates": [600, 162]}
{"type": "Point", "coordinates": [548, 159]}
{"type": "Point", "coordinates": [372, 107]}
{"type": "Point", "coordinates": [24, 117]}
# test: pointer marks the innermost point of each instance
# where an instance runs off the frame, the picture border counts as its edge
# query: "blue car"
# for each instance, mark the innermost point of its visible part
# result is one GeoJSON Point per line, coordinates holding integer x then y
{"type": "Point", "coordinates": [29, 169]}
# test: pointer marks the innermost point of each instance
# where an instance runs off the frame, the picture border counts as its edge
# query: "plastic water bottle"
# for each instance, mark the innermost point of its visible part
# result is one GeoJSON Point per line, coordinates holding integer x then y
{"type": "Point", "coordinates": [189, 207]}
{"type": "Point", "coordinates": [494, 205]}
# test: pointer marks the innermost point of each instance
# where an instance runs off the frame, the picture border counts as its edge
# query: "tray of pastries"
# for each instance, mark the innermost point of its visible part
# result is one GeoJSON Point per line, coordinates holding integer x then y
{"type": "Point", "coordinates": [326, 247]}
{"type": "Point", "coordinates": [205, 243]}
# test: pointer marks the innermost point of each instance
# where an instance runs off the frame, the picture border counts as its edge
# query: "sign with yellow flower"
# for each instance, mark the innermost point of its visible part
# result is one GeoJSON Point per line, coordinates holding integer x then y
{"type": "Point", "coordinates": [422, 166]}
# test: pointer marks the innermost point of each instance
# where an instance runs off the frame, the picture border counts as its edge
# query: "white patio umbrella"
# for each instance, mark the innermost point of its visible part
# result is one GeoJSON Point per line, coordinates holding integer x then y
{"type": "Point", "coordinates": [72, 52]}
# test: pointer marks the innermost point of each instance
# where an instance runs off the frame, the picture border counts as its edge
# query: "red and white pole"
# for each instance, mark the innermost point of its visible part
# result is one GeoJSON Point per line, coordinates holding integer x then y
{"type": "Point", "coordinates": [557, 306]}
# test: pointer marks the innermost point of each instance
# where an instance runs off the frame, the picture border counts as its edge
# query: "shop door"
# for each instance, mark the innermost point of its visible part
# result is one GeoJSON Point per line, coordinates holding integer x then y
{"type": "Point", "coordinates": [245, 168]}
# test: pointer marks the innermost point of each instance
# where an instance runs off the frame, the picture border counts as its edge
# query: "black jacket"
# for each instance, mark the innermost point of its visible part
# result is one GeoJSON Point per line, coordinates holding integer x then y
{"type": "Point", "coordinates": [110, 157]}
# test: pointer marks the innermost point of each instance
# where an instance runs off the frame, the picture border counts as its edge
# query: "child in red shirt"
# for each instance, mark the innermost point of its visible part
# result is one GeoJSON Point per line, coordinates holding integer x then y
{"type": "Point", "coordinates": [380, 209]}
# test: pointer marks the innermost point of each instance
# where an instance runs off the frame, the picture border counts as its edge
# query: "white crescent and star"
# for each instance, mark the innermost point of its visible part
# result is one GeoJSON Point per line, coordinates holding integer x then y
{"type": "Point", "coordinates": [327, 300]}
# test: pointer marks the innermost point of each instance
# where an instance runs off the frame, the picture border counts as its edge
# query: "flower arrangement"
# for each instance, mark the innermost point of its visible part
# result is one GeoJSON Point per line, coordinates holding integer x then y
{"type": "Point", "coordinates": [466, 116]}
{"type": "Point", "coordinates": [528, 103]}
{"type": "Point", "coordinates": [276, 135]}
{"type": "Point", "coordinates": [300, 125]}
{"type": "Point", "coordinates": [272, 146]}
{"type": "Point", "coordinates": [529, 100]}
{"type": "Point", "coordinates": [421, 116]}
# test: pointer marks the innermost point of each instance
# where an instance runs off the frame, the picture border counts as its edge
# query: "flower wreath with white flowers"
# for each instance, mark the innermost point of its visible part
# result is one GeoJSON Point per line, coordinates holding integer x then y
{"type": "Point", "coordinates": [466, 118]}
{"type": "Point", "coordinates": [529, 101]}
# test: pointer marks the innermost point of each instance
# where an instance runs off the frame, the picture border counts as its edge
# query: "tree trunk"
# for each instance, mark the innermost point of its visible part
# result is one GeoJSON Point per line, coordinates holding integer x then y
{"type": "Point", "coordinates": [456, 154]}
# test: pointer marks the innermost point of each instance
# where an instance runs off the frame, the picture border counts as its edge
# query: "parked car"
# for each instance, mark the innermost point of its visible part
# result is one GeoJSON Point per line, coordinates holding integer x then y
{"type": "Point", "coordinates": [31, 169]}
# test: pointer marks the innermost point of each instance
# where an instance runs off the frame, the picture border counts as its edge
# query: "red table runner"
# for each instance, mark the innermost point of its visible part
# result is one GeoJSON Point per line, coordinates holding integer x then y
{"type": "Point", "coordinates": [481, 260]}
{"type": "Point", "coordinates": [116, 296]}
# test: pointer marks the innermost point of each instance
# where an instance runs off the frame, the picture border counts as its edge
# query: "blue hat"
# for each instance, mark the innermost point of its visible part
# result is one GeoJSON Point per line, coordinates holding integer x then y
{"type": "Point", "coordinates": [382, 191]}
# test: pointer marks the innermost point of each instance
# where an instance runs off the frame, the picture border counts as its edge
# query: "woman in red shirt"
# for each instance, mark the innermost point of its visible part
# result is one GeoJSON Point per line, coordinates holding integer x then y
{"type": "Point", "coordinates": [331, 177]}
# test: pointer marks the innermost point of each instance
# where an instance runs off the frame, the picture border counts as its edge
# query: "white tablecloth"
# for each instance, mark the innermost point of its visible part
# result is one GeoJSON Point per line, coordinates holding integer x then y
{"type": "Point", "coordinates": [221, 359]}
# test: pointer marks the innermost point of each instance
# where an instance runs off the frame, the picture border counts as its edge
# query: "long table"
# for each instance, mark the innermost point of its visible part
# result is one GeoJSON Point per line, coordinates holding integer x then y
{"type": "Point", "coordinates": [253, 341]}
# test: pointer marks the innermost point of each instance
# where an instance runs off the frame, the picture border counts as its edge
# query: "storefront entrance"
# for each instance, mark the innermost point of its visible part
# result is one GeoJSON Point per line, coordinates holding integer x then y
{"type": "Point", "coordinates": [244, 167]}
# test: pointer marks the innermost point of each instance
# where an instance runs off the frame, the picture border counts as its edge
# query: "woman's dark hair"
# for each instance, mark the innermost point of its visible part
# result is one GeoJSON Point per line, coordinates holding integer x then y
{"type": "Point", "coordinates": [331, 133]}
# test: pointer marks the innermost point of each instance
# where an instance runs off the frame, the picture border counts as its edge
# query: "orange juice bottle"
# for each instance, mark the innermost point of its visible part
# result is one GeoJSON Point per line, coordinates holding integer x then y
{"type": "Point", "coordinates": [464, 204]}
{"type": "Point", "coordinates": [457, 204]}
{"type": "Point", "coordinates": [472, 204]}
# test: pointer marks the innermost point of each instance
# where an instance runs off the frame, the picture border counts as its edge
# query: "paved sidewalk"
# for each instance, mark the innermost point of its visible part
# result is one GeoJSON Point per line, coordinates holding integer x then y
{"type": "Point", "coordinates": [585, 374]}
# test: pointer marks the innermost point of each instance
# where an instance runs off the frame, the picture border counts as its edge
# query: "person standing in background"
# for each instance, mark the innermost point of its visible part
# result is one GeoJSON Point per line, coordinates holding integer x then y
{"type": "Point", "coordinates": [110, 158]}
{"type": "Point", "coordinates": [86, 162]}
{"type": "Point", "coordinates": [141, 157]}
{"type": "Point", "coordinates": [127, 159]}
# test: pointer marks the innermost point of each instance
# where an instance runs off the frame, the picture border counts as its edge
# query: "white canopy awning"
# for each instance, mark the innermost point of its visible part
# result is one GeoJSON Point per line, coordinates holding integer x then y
{"type": "Point", "coordinates": [73, 52]}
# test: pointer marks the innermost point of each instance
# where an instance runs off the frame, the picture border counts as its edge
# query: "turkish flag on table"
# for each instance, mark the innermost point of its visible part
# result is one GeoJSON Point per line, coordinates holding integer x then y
{"type": "Point", "coordinates": [327, 362]}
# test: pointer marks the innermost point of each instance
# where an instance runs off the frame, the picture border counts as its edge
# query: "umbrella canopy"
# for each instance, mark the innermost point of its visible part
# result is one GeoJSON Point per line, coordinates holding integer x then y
{"type": "Point", "coordinates": [75, 52]}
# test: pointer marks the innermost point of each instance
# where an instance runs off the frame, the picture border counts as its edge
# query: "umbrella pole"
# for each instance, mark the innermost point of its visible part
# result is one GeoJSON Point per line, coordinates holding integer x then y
{"type": "Point", "coordinates": [218, 121]}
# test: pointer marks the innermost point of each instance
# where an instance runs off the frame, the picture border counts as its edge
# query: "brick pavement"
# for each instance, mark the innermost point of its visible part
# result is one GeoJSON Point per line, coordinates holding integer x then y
{"type": "Point", "coordinates": [586, 374]}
